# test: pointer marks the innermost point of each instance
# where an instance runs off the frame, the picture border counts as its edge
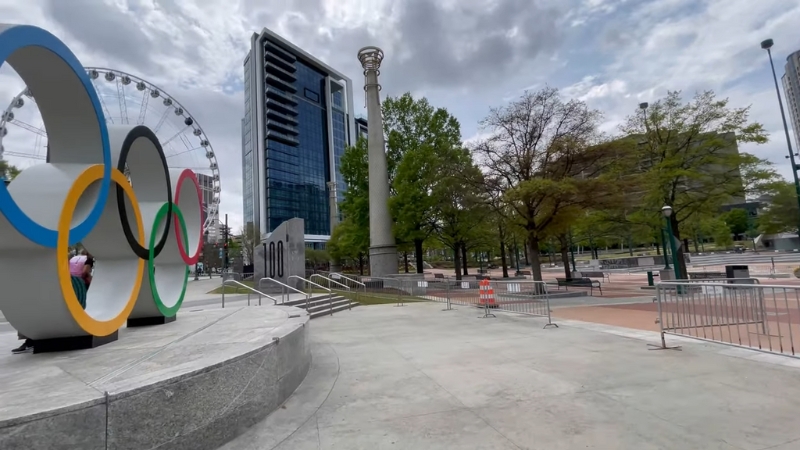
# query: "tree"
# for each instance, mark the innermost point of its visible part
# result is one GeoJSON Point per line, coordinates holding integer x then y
{"type": "Point", "coordinates": [461, 212]}
{"type": "Point", "coordinates": [350, 238]}
{"type": "Point", "coordinates": [550, 160]}
{"type": "Point", "coordinates": [420, 140]}
{"type": "Point", "coordinates": [781, 214]}
{"type": "Point", "coordinates": [738, 221]}
{"type": "Point", "coordinates": [689, 158]}
{"type": "Point", "coordinates": [249, 241]}
{"type": "Point", "coordinates": [721, 234]}
{"type": "Point", "coordinates": [7, 171]}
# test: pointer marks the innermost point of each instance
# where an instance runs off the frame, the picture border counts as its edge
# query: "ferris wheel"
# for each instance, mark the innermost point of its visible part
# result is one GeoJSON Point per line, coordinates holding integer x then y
{"type": "Point", "coordinates": [125, 99]}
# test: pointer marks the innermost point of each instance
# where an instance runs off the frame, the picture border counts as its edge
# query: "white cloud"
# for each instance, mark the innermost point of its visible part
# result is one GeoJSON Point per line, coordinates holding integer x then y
{"type": "Point", "coordinates": [464, 55]}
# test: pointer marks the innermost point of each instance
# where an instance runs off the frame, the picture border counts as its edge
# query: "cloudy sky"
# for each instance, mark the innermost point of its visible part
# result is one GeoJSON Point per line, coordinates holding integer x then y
{"type": "Point", "coordinates": [465, 55]}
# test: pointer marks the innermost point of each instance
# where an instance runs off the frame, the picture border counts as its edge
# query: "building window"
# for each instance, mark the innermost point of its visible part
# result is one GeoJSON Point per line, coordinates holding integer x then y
{"type": "Point", "coordinates": [311, 95]}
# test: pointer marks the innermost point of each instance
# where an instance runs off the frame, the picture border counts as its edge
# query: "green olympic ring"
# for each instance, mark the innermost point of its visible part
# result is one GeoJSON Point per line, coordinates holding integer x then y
{"type": "Point", "coordinates": [167, 311]}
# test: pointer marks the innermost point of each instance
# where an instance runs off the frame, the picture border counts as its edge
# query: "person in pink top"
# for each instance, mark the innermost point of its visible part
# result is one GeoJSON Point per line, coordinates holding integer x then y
{"type": "Point", "coordinates": [80, 269]}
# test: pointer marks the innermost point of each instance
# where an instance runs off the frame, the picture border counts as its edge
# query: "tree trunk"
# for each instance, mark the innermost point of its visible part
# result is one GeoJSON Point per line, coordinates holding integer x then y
{"type": "Point", "coordinates": [533, 253]}
{"type": "Point", "coordinates": [680, 261]}
{"type": "Point", "coordinates": [464, 259]}
{"type": "Point", "coordinates": [525, 251]}
{"type": "Point", "coordinates": [405, 260]}
{"type": "Point", "coordinates": [564, 244]}
{"type": "Point", "coordinates": [630, 244]}
{"type": "Point", "coordinates": [361, 264]}
{"type": "Point", "coordinates": [503, 259]}
{"type": "Point", "coordinates": [418, 254]}
{"type": "Point", "coordinates": [457, 261]}
{"type": "Point", "coordinates": [696, 244]}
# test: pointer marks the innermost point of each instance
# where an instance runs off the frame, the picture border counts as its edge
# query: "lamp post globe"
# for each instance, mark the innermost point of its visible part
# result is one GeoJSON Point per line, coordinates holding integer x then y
{"type": "Point", "coordinates": [643, 105]}
{"type": "Point", "coordinates": [767, 44]}
{"type": "Point", "coordinates": [666, 211]}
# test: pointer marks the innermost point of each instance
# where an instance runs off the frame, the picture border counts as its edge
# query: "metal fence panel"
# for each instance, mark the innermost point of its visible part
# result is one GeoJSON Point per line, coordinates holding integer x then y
{"type": "Point", "coordinates": [764, 317]}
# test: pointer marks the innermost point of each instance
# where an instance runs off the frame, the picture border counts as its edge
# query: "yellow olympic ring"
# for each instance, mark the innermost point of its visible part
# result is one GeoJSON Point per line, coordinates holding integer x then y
{"type": "Point", "coordinates": [88, 323]}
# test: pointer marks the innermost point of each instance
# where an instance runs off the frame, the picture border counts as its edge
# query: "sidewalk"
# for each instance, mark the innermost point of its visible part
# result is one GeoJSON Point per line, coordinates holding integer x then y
{"type": "Point", "coordinates": [418, 377]}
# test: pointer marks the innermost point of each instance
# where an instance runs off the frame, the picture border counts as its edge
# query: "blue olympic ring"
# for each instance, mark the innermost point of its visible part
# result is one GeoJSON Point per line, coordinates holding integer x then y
{"type": "Point", "coordinates": [13, 38]}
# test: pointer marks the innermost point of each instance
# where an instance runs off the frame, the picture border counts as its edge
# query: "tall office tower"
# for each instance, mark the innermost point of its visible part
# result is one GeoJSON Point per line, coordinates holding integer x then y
{"type": "Point", "coordinates": [207, 191]}
{"type": "Point", "coordinates": [791, 88]}
{"type": "Point", "coordinates": [298, 120]}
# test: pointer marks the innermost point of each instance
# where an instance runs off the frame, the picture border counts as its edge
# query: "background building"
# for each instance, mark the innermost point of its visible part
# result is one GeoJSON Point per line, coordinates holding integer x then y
{"type": "Point", "coordinates": [298, 120]}
{"type": "Point", "coordinates": [207, 191]}
{"type": "Point", "coordinates": [791, 89]}
{"type": "Point", "coordinates": [361, 128]}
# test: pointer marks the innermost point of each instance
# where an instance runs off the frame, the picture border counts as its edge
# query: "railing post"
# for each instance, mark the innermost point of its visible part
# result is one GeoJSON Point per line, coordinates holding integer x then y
{"type": "Point", "coordinates": [547, 303]}
{"type": "Point", "coordinates": [447, 295]}
{"type": "Point", "coordinates": [663, 346]}
{"type": "Point", "coordinates": [223, 294]}
{"type": "Point", "coordinates": [330, 300]}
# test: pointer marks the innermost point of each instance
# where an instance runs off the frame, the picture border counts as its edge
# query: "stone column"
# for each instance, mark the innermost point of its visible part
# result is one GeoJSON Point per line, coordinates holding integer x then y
{"type": "Point", "coordinates": [382, 248]}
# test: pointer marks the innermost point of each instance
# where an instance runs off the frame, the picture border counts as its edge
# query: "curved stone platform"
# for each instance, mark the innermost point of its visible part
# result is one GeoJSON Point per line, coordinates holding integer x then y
{"type": "Point", "coordinates": [192, 384]}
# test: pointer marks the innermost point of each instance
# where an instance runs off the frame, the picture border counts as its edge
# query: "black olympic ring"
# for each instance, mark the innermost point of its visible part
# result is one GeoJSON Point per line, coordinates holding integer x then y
{"type": "Point", "coordinates": [137, 132]}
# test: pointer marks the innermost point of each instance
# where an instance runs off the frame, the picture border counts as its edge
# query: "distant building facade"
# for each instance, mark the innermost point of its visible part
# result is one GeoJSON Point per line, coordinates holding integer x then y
{"type": "Point", "coordinates": [298, 121]}
{"type": "Point", "coordinates": [207, 191]}
{"type": "Point", "coordinates": [791, 89]}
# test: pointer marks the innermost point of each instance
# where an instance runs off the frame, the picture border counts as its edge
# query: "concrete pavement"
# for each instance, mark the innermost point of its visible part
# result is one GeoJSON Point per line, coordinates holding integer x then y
{"type": "Point", "coordinates": [415, 377]}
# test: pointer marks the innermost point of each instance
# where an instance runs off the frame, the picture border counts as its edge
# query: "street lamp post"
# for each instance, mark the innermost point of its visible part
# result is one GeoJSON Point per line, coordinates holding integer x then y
{"type": "Point", "coordinates": [667, 212]}
{"type": "Point", "coordinates": [643, 106]}
{"type": "Point", "coordinates": [767, 45]}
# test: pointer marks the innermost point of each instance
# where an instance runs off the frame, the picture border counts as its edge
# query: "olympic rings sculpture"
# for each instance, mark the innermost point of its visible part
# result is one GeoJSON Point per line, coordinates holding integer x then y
{"type": "Point", "coordinates": [144, 231]}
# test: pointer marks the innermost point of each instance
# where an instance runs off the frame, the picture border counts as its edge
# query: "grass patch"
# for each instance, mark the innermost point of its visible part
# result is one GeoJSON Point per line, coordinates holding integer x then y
{"type": "Point", "coordinates": [233, 289]}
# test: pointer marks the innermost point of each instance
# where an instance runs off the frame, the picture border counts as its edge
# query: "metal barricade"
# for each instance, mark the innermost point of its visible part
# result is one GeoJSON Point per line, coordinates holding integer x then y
{"type": "Point", "coordinates": [516, 296]}
{"type": "Point", "coordinates": [763, 317]}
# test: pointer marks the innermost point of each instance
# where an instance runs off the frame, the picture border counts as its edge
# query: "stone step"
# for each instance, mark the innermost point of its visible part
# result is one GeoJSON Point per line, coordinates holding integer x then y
{"type": "Point", "coordinates": [336, 309]}
{"type": "Point", "coordinates": [314, 300]}
{"type": "Point", "coordinates": [323, 305]}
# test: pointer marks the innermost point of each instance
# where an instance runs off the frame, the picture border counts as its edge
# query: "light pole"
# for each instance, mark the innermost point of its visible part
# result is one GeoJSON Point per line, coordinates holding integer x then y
{"type": "Point", "coordinates": [767, 45]}
{"type": "Point", "coordinates": [643, 106]}
{"type": "Point", "coordinates": [667, 212]}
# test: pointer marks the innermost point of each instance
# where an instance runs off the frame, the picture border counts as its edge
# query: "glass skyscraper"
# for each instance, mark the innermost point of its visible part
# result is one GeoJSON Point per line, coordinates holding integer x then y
{"type": "Point", "coordinates": [298, 120]}
{"type": "Point", "coordinates": [791, 89]}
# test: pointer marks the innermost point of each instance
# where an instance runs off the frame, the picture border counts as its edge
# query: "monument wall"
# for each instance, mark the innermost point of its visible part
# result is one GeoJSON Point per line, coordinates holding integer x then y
{"type": "Point", "coordinates": [282, 255]}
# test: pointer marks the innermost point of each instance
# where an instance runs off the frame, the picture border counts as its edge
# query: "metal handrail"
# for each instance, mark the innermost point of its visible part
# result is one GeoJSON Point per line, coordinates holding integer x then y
{"type": "Point", "coordinates": [329, 280]}
{"type": "Point", "coordinates": [349, 279]}
{"type": "Point", "coordinates": [224, 282]}
{"type": "Point", "coordinates": [283, 285]}
{"type": "Point", "coordinates": [330, 291]}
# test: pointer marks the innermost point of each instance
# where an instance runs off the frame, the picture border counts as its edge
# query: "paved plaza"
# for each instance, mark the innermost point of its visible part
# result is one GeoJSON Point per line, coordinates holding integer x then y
{"type": "Point", "coordinates": [417, 377]}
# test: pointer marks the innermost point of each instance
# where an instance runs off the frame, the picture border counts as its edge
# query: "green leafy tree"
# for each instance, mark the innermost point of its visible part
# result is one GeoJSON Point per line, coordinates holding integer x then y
{"type": "Point", "coordinates": [420, 140]}
{"type": "Point", "coordinates": [550, 159]}
{"type": "Point", "coordinates": [461, 212]}
{"type": "Point", "coordinates": [721, 234]}
{"type": "Point", "coordinates": [8, 171]}
{"type": "Point", "coordinates": [689, 159]}
{"type": "Point", "coordinates": [350, 238]}
{"type": "Point", "coordinates": [249, 240]}
{"type": "Point", "coordinates": [781, 214]}
{"type": "Point", "coordinates": [738, 221]}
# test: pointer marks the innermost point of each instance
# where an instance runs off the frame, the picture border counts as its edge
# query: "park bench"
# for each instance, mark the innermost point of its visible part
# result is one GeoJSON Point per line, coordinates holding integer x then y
{"type": "Point", "coordinates": [580, 282]}
{"type": "Point", "coordinates": [438, 275]}
{"type": "Point", "coordinates": [596, 274]}
{"type": "Point", "coordinates": [525, 273]}
{"type": "Point", "coordinates": [706, 275]}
